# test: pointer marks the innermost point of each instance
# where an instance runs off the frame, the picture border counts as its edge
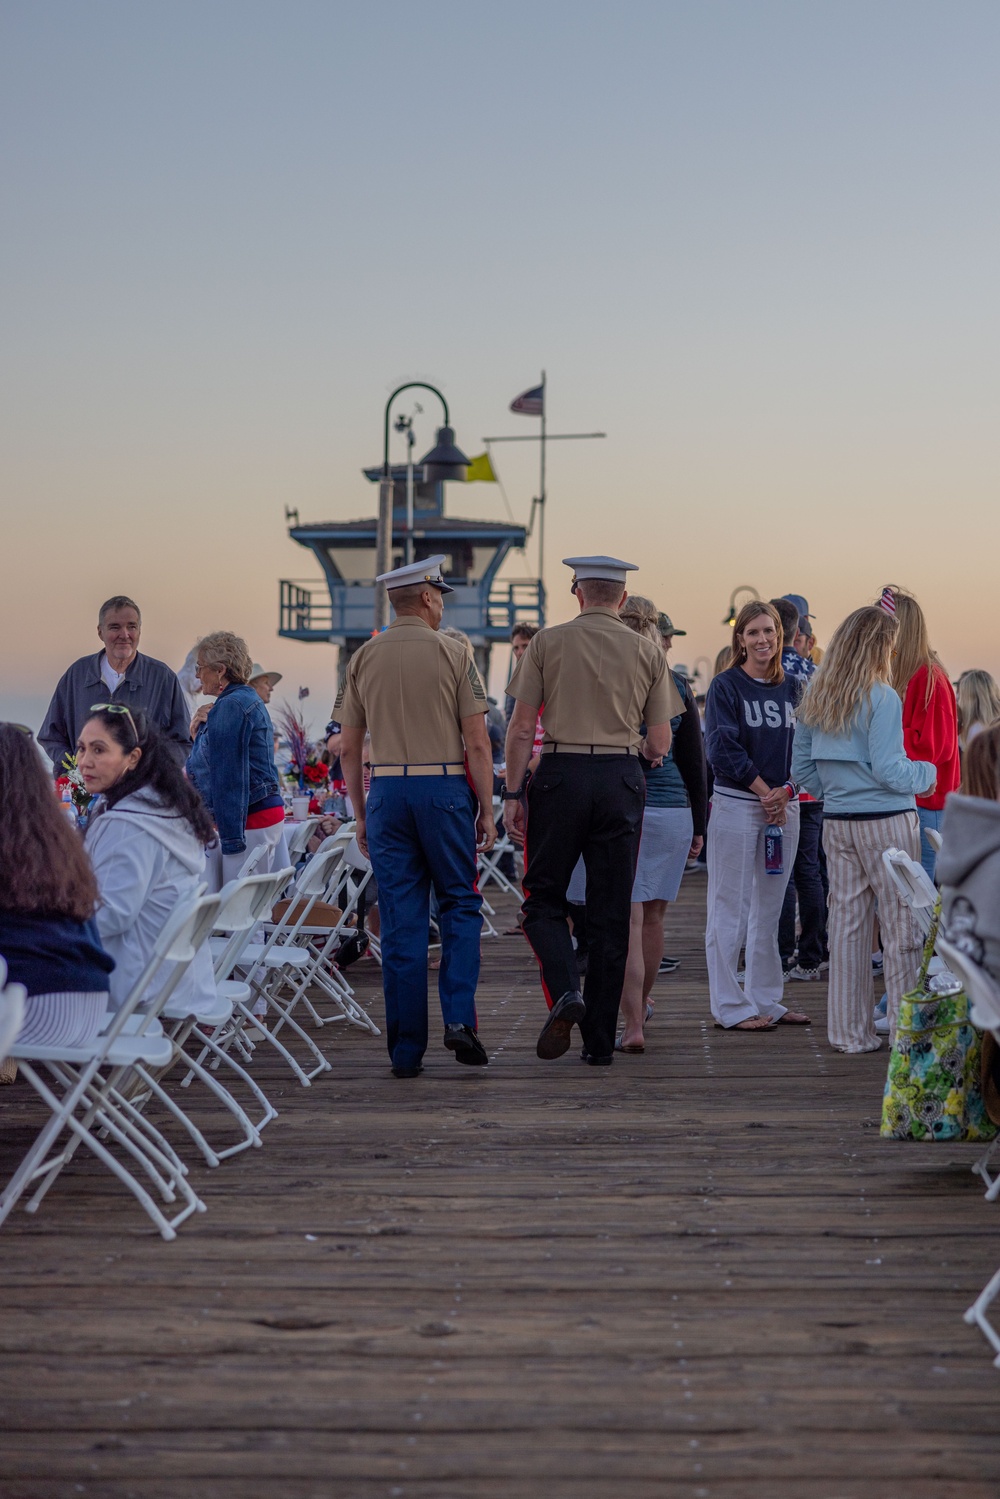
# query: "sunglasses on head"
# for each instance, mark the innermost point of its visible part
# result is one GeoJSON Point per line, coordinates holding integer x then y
{"type": "Point", "coordinates": [22, 728]}
{"type": "Point", "coordinates": [116, 708]}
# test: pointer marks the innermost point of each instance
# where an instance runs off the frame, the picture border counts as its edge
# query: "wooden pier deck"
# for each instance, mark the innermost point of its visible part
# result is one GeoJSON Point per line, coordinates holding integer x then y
{"type": "Point", "coordinates": [698, 1273]}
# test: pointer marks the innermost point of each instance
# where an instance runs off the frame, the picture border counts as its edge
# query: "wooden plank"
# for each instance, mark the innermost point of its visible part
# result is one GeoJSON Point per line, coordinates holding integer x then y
{"type": "Point", "coordinates": [697, 1273]}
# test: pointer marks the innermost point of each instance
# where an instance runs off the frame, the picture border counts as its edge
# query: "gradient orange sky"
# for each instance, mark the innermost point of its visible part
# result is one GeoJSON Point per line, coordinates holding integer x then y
{"type": "Point", "coordinates": [755, 243]}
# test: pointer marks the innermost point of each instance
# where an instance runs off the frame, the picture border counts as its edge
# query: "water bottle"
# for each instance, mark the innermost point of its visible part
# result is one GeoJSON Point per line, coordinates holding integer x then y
{"type": "Point", "coordinates": [774, 840]}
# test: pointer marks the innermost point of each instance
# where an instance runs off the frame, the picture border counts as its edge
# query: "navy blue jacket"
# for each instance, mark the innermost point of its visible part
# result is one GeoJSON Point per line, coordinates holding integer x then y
{"type": "Point", "coordinates": [749, 728]}
{"type": "Point", "coordinates": [54, 954]}
{"type": "Point", "coordinates": [149, 685]}
{"type": "Point", "coordinates": [232, 763]}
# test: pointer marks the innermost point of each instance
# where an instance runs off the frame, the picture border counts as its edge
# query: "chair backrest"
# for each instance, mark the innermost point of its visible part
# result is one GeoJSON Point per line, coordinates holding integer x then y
{"type": "Point", "coordinates": [300, 838]}
{"type": "Point", "coordinates": [247, 903]}
{"type": "Point", "coordinates": [354, 858]}
{"type": "Point", "coordinates": [251, 861]}
{"type": "Point", "coordinates": [934, 839]}
{"type": "Point", "coordinates": [188, 926]}
{"type": "Point", "coordinates": [12, 1002]}
{"type": "Point", "coordinates": [982, 991]}
{"type": "Point", "coordinates": [316, 875]}
{"type": "Point", "coordinates": [915, 886]}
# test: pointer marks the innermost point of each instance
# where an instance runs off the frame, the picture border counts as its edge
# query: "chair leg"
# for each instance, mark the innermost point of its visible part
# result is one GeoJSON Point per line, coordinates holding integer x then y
{"type": "Point", "coordinates": [976, 1315]}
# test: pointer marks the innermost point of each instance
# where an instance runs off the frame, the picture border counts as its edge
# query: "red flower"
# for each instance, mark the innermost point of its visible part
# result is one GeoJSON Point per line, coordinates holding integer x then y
{"type": "Point", "coordinates": [314, 774]}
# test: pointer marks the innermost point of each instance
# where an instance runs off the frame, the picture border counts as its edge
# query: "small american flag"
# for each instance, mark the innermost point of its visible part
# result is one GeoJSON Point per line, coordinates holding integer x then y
{"type": "Point", "coordinates": [888, 601]}
{"type": "Point", "coordinates": [530, 402]}
{"type": "Point", "coordinates": [303, 692]}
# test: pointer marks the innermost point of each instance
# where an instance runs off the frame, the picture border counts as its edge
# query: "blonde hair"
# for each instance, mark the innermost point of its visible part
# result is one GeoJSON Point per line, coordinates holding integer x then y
{"type": "Point", "coordinates": [913, 647]}
{"type": "Point", "coordinates": [642, 616]}
{"type": "Point", "coordinates": [858, 656]}
{"type": "Point", "coordinates": [978, 699]}
{"type": "Point", "coordinates": [723, 660]}
{"type": "Point", "coordinates": [751, 611]}
{"type": "Point", "coordinates": [456, 634]}
{"type": "Point", "coordinates": [223, 648]}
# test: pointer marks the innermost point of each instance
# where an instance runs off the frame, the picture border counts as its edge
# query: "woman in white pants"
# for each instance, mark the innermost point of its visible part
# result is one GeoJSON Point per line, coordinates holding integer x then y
{"type": "Point", "coordinates": [749, 724]}
{"type": "Point", "coordinates": [849, 753]}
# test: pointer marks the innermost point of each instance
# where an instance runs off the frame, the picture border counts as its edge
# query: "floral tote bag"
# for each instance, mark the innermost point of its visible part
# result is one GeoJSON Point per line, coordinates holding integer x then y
{"type": "Point", "coordinates": [933, 1090]}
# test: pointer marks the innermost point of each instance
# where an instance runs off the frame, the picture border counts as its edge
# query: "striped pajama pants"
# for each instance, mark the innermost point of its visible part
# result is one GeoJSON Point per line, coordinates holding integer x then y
{"type": "Point", "coordinates": [860, 884]}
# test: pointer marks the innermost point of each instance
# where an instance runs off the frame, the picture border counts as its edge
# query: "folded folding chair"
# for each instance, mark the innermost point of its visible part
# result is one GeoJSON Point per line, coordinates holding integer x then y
{"type": "Point", "coordinates": [94, 1083]}
{"type": "Point", "coordinates": [12, 1002]}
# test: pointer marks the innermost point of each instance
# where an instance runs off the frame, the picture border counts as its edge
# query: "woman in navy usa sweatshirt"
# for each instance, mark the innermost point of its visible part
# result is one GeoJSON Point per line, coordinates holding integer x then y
{"type": "Point", "coordinates": [749, 724]}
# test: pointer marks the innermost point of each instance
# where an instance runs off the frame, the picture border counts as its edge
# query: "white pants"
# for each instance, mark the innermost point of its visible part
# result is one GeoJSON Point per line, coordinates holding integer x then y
{"type": "Point", "coordinates": [221, 868]}
{"type": "Point", "coordinates": [744, 903]}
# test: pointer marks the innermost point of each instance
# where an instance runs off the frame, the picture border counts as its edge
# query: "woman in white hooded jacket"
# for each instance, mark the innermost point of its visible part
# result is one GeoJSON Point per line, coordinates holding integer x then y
{"type": "Point", "coordinates": [146, 844]}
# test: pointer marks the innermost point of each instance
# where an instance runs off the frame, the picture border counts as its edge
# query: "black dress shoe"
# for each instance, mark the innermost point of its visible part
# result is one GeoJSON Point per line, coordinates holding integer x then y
{"type": "Point", "coordinates": [554, 1038]}
{"type": "Point", "coordinates": [463, 1041]}
{"type": "Point", "coordinates": [592, 1061]}
{"type": "Point", "coordinates": [413, 1071]}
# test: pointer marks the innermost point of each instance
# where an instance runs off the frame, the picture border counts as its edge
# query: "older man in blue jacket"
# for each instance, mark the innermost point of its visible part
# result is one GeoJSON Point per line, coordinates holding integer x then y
{"type": "Point", "coordinates": [118, 673]}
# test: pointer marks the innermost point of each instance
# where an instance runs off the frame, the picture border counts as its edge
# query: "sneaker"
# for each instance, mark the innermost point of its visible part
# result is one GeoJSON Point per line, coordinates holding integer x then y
{"type": "Point", "coordinates": [877, 962]}
{"type": "Point", "coordinates": [802, 975]}
{"type": "Point", "coordinates": [882, 1008]}
{"type": "Point", "coordinates": [669, 965]}
{"type": "Point", "coordinates": [741, 974]}
{"type": "Point", "coordinates": [882, 1025]}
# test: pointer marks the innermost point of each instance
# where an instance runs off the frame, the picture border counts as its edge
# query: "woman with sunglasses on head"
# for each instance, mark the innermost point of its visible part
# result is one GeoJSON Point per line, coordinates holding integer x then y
{"type": "Point", "coordinates": [146, 842]}
{"type": "Point", "coordinates": [48, 895]}
{"type": "Point", "coordinates": [232, 763]}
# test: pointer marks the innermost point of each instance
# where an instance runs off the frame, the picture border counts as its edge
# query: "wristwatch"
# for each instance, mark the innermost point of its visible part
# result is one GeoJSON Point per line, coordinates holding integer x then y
{"type": "Point", "coordinates": [507, 795]}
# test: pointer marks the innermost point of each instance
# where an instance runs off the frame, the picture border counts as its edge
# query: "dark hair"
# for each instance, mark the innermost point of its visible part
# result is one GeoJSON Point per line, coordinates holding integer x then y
{"type": "Point", "coordinates": [157, 770]}
{"type": "Point", "coordinates": [789, 616]}
{"type": "Point", "coordinates": [43, 867]}
{"type": "Point", "coordinates": [981, 770]}
{"type": "Point", "coordinates": [118, 601]}
{"type": "Point", "coordinates": [528, 631]}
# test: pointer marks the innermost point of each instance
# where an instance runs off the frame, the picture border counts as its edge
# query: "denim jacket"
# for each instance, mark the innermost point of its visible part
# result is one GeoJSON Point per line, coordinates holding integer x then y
{"type": "Point", "coordinates": [232, 763]}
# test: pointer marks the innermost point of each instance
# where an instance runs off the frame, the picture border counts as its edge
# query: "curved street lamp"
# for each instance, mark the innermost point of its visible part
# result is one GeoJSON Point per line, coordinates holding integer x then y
{"type": "Point", "coordinates": [444, 461]}
{"type": "Point", "coordinates": [731, 612]}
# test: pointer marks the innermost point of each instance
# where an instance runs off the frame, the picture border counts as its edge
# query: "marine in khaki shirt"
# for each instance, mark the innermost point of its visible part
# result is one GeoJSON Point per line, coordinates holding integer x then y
{"type": "Point", "coordinates": [412, 686]}
{"type": "Point", "coordinates": [429, 808]}
{"type": "Point", "coordinates": [596, 683]}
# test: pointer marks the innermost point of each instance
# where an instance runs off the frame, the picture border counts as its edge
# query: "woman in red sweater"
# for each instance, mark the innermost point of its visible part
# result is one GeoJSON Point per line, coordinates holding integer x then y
{"type": "Point", "coordinates": [930, 716]}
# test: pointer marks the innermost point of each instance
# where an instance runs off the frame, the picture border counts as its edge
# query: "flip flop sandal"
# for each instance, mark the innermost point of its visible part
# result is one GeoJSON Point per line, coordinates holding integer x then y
{"type": "Point", "coordinates": [793, 1017]}
{"type": "Point", "coordinates": [620, 1046]}
{"type": "Point", "coordinates": [749, 1030]}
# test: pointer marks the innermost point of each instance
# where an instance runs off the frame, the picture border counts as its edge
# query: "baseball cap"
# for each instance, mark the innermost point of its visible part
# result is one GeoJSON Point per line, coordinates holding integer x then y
{"type": "Point", "coordinates": [666, 626]}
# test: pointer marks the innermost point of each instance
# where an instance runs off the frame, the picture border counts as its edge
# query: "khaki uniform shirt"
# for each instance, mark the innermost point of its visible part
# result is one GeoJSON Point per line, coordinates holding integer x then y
{"type": "Point", "coordinates": [596, 682]}
{"type": "Point", "coordinates": [412, 687]}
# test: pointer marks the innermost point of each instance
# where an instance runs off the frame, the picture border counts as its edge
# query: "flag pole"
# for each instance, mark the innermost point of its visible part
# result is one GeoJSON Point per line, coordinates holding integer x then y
{"type": "Point", "coordinates": [541, 494]}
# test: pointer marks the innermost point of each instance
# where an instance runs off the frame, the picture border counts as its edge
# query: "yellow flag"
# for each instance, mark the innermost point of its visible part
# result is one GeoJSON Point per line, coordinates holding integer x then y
{"type": "Point", "coordinates": [482, 469]}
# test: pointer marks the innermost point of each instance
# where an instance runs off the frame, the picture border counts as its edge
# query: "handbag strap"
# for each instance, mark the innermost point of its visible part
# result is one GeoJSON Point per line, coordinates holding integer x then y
{"type": "Point", "coordinates": [925, 961]}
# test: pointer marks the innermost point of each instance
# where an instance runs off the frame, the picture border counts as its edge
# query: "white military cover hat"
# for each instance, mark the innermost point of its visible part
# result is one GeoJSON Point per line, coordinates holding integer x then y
{"type": "Point", "coordinates": [427, 570]}
{"type": "Point", "coordinates": [611, 568]}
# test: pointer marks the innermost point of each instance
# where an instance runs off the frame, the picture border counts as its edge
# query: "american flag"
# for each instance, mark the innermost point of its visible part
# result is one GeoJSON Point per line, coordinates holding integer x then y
{"type": "Point", "coordinates": [888, 601]}
{"type": "Point", "coordinates": [530, 402]}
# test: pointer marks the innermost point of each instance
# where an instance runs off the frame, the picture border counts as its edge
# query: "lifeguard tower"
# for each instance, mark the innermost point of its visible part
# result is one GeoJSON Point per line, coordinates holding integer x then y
{"type": "Point", "coordinates": [483, 605]}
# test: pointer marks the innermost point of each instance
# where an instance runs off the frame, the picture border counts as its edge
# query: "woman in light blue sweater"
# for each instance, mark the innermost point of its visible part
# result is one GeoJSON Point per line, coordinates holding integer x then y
{"type": "Point", "coordinates": [848, 753]}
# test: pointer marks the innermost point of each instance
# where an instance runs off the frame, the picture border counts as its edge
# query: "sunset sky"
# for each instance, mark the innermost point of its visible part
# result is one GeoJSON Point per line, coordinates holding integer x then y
{"type": "Point", "coordinates": [756, 243]}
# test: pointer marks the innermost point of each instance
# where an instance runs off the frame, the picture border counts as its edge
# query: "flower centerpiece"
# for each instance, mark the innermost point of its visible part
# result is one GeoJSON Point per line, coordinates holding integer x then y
{"type": "Point", "coordinates": [304, 770]}
{"type": "Point", "coordinates": [78, 793]}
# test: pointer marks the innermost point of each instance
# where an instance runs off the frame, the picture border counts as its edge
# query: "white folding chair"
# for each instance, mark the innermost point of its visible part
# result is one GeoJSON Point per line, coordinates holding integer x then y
{"type": "Point", "coordinates": [349, 877]}
{"type": "Point", "coordinates": [299, 840]}
{"type": "Point", "coordinates": [117, 1050]}
{"type": "Point", "coordinates": [934, 839]}
{"type": "Point", "coordinates": [916, 888]}
{"type": "Point", "coordinates": [242, 903]}
{"type": "Point", "coordinates": [281, 959]}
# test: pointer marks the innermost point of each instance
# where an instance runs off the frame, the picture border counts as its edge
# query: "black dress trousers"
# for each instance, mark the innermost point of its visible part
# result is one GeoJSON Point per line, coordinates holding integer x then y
{"type": "Point", "coordinates": [590, 805]}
